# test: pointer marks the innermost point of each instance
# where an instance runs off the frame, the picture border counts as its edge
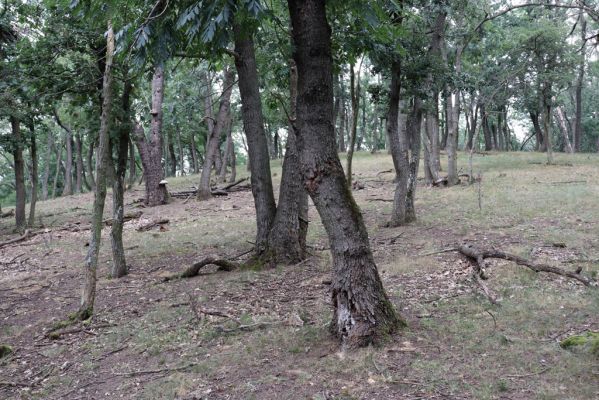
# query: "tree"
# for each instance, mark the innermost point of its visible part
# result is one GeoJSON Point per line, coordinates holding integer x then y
{"type": "Point", "coordinates": [362, 312]}
{"type": "Point", "coordinates": [150, 150]}
{"type": "Point", "coordinates": [91, 261]}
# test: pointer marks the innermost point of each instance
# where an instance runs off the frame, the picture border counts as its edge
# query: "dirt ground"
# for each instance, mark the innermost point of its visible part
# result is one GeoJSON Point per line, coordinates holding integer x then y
{"type": "Point", "coordinates": [150, 339]}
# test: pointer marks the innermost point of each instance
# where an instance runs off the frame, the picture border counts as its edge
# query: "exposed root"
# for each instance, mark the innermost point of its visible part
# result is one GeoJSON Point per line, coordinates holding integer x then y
{"type": "Point", "coordinates": [194, 270]}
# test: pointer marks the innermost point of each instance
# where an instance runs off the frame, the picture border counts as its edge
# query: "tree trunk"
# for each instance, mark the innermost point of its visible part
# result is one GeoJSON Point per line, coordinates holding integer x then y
{"type": "Point", "coordinates": [393, 117]}
{"type": "Point", "coordinates": [341, 132]}
{"type": "Point", "coordinates": [47, 157]}
{"type": "Point", "coordinates": [214, 135]}
{"type": "Point", "coordinates": [453, 115]}
{"type": "Point", "coordinates": [57, 173]}
{"type": "Point", "coordinates": [253, 126]}
{"type": "Point", "coordinates": [563, 127]}
{"type": "Point", "coordinates": [34, 174]}
{"type": "Point", "coordinates": [472, 130]}
{"type": "Point", "coordinates": [90, 164]}
{"type": "Point", "coordinates": [287, 238]}
{"type": "Point", "coordinates": [180, 148]}
{"type": "Point", "coordinates": [194, 154]}
{"type": "Point", "coordinates": [362, 311]}
{"type": "Point", "coordinates": [354, 92]}
{"type": "Point", "coordinates": [414, 128]}
{"type": "Point", "coordinates": [233, 164]}
{"type": "Point", "coordinates": [486, 129]}
{"type": "Point", "coordinates": [171, 153]}
{"type": "Point", "coordinates": [119, 264]}
{"type": "Point", "coordinates": [541, 144]}
{"type": "Point", "coordinates": [91, 261]}
{"type": "Point", "coordinates": [546, 128]}
{"type": "Point", "coordinates": [228, 150]}
{"type": "Point", "coordinates": [151, 150]}
{"type": "Point", "coordinates": [577, 136]}
{"type": "Point", "coordinates": [19, 165]}
{"type": "Point", "coordinates": [132, 167]}
{"type": "Point", "coordinates": [79, 164]}
{"type": "Point", "coordinates": [68, 174]}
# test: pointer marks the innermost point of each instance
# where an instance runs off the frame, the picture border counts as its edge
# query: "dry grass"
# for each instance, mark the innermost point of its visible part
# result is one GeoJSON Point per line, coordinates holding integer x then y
{"type": "Point", "coordinates": [457, 344]}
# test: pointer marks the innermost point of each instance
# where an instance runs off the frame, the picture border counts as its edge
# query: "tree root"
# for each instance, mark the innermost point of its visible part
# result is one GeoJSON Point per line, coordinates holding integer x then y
{"type": "Point", "coordinates": [16, 240]}
{"type": "Point", "coordinates": [150, 225]}
{"type": "Point", "coordinates": [194, 270]}
{"type": "Point", "coordinates": [479, 256]}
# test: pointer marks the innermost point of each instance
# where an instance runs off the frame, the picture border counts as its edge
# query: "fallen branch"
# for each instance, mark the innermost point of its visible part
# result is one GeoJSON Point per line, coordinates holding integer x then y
{"type": "Point", "coordinates": [54, 334]}
{"type": "Point", "coordinates": [478, 254]}
{"type": "Point", "coordinates": [156, 371]}
{"type": "Point", "coordinates": [126, 217]}
{"type": "Point", "coordinates": [194, 270]}
{"type": "Point", "coordinates": [150, 225]}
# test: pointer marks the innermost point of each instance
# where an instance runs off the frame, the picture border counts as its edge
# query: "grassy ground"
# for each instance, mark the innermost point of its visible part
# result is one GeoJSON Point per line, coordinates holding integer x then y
{"type": "Point", "coordinates": [146, 342]}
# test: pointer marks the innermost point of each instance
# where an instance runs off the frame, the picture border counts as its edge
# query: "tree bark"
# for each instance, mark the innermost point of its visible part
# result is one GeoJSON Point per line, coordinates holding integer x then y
{"type": "Point", "coordinates": [393, 117]}
{"type": "Point", "coordinates": [577, 136]}
{"type": "Point", "coordinates": [151, 150]}
{"type": "Point", "coordinates": [119, 264]}
{"type": "Point", "coordinates": [19, 165]}
{"type": "Point", "coordinates": [486, 129]}
{"type": "Point", "coordinates": [213, 141]}
{"type": "Point", "coordinates": [541, 145]}
{"type": "Point", "coordinates": [362, 311]}
{"type": "Point", "coordinates": [91, 261]}
{"type": "Point", "coordinates": [253, 125]}
{"type": "Point", "coordinates": [180, 149]}
{"type": "Point", "coordinates": [34, 174]}
{"type": "Point", "coordinates": [354, 92]}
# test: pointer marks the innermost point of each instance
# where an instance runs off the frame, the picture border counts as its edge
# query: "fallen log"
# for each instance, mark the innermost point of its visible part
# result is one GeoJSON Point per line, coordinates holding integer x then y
{"type": "Point", "coordinates": [151, 224]}
{"type": "Point", "coordinates": [127, 217]}
{"type": "Point", "coordinates": [480, 254]}
{"type": "Point", "coordinates": [194, 270]}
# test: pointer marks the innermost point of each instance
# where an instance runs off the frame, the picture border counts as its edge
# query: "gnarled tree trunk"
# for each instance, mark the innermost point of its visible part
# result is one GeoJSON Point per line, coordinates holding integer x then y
{"type": "Point", "coordinates": [362, 311]}
{"type": "Point", "coordinates": [119, 264]}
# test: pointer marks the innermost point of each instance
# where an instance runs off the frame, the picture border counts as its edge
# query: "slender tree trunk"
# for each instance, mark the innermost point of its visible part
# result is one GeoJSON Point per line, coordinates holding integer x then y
{"type": "Point", "coordinates": [453, 116]}
{"type": "Point", "coordinates": [132, 167]}
{"type": "Point", "coordinates": [19, 165]}
{"type": "Point", "coordinates": [58, 167]}
{"type": "Point", "coordinates": [119, 264]}
{"type": "Point", "coordinates": [341, 132]}
{"type": "Point", "coordinates": [228, 150]}
{"type": "Point", "coordinates": [194, 154]}
{"type": "Point", "coordinates": [79, 164]}
{"type": "Point", "coordinates": [214, 138]}
{"type": "Point", "coordinates": [472, 127]}
{"type": "Point", "coordinates": [287, 238]}
{"type": "Point", "coordinates": [393, 117]}
{"type": "Point", "coordinates": [354, 92]}
{"type": "Point", "coordinates": [34, 174]}
{"type": "Point", "coordinates": [577, 136]}
{"type": "Point", "coordinates": [91, 261]}
{"type": "Point", "coordinates": [47, 157]}
{"type": "Point", "coordinates": [362, 311]}
{"type": "Point", "coordinates": [253, 126]}
{"type": "Point", "coordinates": [547, 124]}
{"type": "Point", "coordinates": [414, 128]}
{"type": "Point", "coordinates": [171, 153]}
{"type": "Point", "coordinates": [180, 148]}
{"type": "Point", "coordinates": [486, 129]}
{"type": "Point", "coordinates": [68, 174]}
{"type": "Point", "coordinates": [233, 165]}
{"type": "Point", "coordinates": [90, 164]}
{"type": "Point", "coordinates": [151, 150]}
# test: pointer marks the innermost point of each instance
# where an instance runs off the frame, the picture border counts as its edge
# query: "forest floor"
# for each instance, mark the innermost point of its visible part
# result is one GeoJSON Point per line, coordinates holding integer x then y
{"type": "Point", "coordinates": [145, 340]}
